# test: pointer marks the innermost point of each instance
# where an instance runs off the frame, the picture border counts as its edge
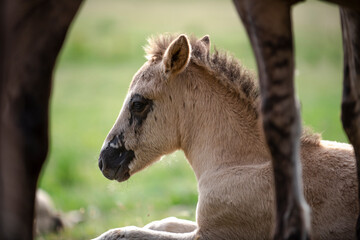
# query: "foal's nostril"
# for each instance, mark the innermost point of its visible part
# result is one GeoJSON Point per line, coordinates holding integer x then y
{"type": "Point", "coordinates": [100, 165]}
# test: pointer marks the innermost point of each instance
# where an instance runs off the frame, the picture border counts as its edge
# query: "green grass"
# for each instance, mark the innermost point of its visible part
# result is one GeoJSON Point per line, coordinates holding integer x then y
{"type": "Point", "coordinates": [100, 56]}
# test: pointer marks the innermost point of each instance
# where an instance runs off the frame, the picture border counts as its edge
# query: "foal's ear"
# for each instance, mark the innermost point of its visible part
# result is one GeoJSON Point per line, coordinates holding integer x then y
{"type": "Point", "coordinates": [202, 48]}
{"type": "Point", "coordinates": [206, 41]}
{"type": "Point", "coordinates": [177, 55]}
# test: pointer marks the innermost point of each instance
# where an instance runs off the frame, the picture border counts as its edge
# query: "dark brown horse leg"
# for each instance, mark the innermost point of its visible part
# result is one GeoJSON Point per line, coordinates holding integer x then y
{"type": "Point", "coordinates": [32, 33]}
{"type": "Point", "coordinates": [268, 24]}
{"type": "Point", "coordinates": [350, 115]}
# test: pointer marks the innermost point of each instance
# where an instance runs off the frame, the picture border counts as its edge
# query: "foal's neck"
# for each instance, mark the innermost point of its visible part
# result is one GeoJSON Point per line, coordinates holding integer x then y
{"type": "Point", "coordinates": [217, 127]}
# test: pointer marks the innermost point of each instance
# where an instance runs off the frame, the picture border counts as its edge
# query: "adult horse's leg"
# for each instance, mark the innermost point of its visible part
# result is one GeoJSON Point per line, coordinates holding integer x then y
{"type": "Point", "coordinates": [32, 33]}
{"type": "Point", "coordinates": [268, 23]}
{"type": "Point", "coordinates": [350, 115]}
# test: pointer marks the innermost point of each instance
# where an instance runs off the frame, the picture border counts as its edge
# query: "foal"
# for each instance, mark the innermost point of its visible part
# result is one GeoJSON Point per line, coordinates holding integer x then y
{"type": "Point", "coordinates": [208, 106]}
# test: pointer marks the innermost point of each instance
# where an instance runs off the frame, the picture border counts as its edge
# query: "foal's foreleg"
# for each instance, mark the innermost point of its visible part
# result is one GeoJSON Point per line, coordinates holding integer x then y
{"type": "Point", "coordinates": [173, 225]}
{"type": "Point", "coordinates": [268, 24]}
{"type": "Point", "coordinates": [135, 233]}
{"type": "Point", "coordinates": [350, 114]}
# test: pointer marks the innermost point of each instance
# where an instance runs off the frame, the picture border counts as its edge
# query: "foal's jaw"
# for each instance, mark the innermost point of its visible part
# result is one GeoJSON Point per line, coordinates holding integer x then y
{"type": "Point", "coordinates": [114, 160]}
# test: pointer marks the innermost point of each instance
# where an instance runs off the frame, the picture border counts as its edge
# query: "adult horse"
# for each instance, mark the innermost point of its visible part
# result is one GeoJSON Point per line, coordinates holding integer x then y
{"type": "Point", "coordinates": [268, 23]}
{"type": "Point", "coordinates": [32, 33]}
{"type": "Point", "coordinates": [208, 106]}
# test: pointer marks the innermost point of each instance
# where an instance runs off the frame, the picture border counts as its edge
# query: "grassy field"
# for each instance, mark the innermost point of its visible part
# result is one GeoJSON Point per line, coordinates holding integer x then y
{"type": "Point", "coordinates": [104, 50]}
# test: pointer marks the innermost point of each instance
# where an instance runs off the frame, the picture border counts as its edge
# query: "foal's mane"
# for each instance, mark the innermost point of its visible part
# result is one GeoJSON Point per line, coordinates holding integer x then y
{"type": "Point", "coordinates": [226, 69]}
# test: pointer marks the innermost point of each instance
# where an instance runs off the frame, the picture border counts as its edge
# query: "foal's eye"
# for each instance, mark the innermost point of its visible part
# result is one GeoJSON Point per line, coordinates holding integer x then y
{"type": "Point", "coordinates": [138, 106]}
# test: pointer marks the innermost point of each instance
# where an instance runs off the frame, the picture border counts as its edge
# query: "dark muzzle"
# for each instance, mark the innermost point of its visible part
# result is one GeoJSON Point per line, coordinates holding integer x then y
{"type": "Point", "coordinates": [114, 161]}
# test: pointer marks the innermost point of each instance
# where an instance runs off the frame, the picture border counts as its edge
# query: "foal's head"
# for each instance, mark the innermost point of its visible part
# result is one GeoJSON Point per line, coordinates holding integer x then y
{"type": "Point", "coordinates": [146, 126]}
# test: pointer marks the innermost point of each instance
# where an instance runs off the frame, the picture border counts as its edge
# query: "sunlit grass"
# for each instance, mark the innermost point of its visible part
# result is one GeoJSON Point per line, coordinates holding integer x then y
{"type": "Point", "coordinates": [104, 50]}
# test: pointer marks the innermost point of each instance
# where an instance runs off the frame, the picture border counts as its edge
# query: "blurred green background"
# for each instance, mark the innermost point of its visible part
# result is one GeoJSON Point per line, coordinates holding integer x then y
{"type": "Point", "coordinates": [103, 51]}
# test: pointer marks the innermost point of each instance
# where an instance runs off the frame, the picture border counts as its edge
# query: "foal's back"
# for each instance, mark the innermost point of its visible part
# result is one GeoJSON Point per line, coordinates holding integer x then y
{"type": "Point", "coordinates": [330, 187]}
